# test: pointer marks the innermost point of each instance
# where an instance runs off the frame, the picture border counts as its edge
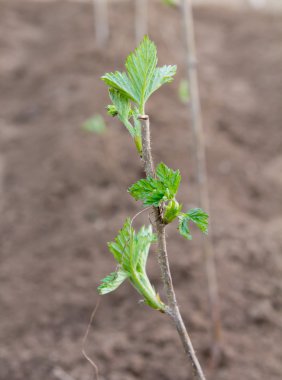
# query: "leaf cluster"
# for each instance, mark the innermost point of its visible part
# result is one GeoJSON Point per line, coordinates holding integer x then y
{"type": "Point", "coordinates": [130, 250]}
{"type": "Point", "coordinates": [161, 192]}
{"type": "Point", "coordinates": [154, 191]}
{"type": "Point", "coordinates": [130, 90]}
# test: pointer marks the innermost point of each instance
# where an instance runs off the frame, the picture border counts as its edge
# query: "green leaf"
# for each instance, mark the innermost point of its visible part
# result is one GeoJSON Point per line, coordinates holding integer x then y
{"type": "Point", "coordinates": [200, 218]}
{"type": "Point", "coordinates": [131, 249]}
{"type": "Point", "coordinates": [151, 191]}
{"type": "Point", "coordinates": [142, 72]}
{"type": "Point", "coordinates": [144, 238]}
{"type": "Point", "coordinates": [121, 103]}
{"type": "Point", "coordinates": [183, 227]}
{"type": "Point", "coordinates": [121, 246]}
{"type": "Point", "coordinates": [95, 124]}
{"type": "Point", "coordinates": [142, 77]}
{"type": "Point", "coordinates": [121, 82]}
{"type": "Point", "coordinates": [171, 179]}
{"type": "Point", "coordinates": [155, 191]}
{"type": "Point", "coordinates": [162, 75]}
{"type": "Point", "coordinates": [123, 108]}
{"type": "Point", "coordinates": [141, 65]}
{"type": "Point", "coordinates": [112, 281]}
{"type": "Point", "coordinates": [197, 216]}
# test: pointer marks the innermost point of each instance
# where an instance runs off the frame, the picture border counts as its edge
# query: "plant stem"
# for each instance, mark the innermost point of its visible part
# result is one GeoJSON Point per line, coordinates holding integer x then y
{"type": "Point", "coordinates": [202, 178]}
{"type": "Point", "coordinates": [172, 309]}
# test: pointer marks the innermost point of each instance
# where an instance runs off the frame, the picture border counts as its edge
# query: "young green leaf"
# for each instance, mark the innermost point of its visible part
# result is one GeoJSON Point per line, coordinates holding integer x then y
{"type": "Point", "coordinates": [142, 77]}
{"type": "Point", "coordinates": [122, 107]}
{"type": "Point", "coordinates": [200, 218]}
{"type": "Point", "coordinates": [131, 249]}
{"type": "Point", "coordinates": [112, 281]}
{"type": "Point", "coordinates": [121, 246]}
{"type": "Point", "coordinates": [197, 216]}
{"type": "Point", "coordinates": [121, 103]}
{"type": "Point", "coordinates": [151, 191]}
{"type": "Point", "coordinates": [171, 179]}
{"type": "Point", "coordinates": [155, 191]}
{"type": "Point", "coordinates": [121, 82]}
{"type": "Point", "coordinates": [145, 238]}
{"type": "Point", "coordinates": [162, 75]}
{"type": "Point", "coordinates": [141, 66]}
{"type": "Point", "coordinates": [183, 226]}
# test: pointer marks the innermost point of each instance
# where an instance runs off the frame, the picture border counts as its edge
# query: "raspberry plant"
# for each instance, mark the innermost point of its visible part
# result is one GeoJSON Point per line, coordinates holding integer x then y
{"type": "Point", "coordinates": [129, 92]}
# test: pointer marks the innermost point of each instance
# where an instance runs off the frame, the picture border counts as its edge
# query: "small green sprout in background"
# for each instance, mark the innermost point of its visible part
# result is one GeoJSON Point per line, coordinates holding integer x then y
{"type": "Point", "coordinates": [169, 2]}
{"type": "Point", "coordinates": [183, 91]}
{"type": "Point", "coordinates": [95, 124]}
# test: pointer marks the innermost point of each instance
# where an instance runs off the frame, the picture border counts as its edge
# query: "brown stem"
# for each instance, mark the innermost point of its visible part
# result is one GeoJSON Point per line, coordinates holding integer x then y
{"type": "Point", "coordinates": [172, 309]}
{"type": "Point", "coordinates": [202, 178]}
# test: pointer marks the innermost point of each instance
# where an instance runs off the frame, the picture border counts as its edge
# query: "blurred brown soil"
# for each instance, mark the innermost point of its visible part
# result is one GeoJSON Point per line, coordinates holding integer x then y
{"type": "Point", "coordinates": [63, 195]}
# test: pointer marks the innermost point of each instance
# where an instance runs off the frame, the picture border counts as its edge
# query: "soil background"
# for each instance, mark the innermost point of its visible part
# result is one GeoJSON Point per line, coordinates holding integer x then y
{"type": "Point", "coordinates": [63, 194]}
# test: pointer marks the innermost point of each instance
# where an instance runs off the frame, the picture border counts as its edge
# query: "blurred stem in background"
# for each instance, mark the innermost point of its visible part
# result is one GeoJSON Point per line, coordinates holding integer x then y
{"type": "Point", "coordinates": [202, 178]}
{"type": "Point", "coordinates": [141, 19]}
{"type": "Point", "coordinates": [101, 23]}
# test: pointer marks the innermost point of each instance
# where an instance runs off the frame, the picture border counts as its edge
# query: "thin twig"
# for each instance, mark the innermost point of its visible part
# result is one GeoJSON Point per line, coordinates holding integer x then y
{"type": "Point", "coordinates": [172, 309]}
{"type": "Point", "coordinates": [95, 367]}
{"type": "Point", "coordinates": [202, 178]}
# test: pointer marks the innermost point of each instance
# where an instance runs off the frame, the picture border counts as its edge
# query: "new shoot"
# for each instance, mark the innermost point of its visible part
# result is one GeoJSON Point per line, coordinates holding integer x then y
{"type": "Point", "coordinates": [129, 92]}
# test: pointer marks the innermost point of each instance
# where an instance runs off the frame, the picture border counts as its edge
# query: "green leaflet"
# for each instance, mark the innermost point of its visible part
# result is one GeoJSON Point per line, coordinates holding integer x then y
{"type": "Point", "coordinates": [200, 218]}
{"type": "Point", "coordinates": [121, 103]}
{"type": "Point", "coordinates": [141, 66]}
{"type": "Point", "coordinates": [170, 178]}
{"type": "Point", "coordinates": [195, 215]}
{"type": "Point", "coordinates": [131, 249]}
{"type": "Point", "coordinates": [144, 239]}
{"type": "Point", "coordinates": [121, 82]}
{"type": "Point", "coordinates": [155, 191]}
{"type": "Point", "coordinates": [151, 191]}
{"type": "Point", "coordinates": [162, 75]}
{"type": "Point", "coordinates": [112, 281]}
